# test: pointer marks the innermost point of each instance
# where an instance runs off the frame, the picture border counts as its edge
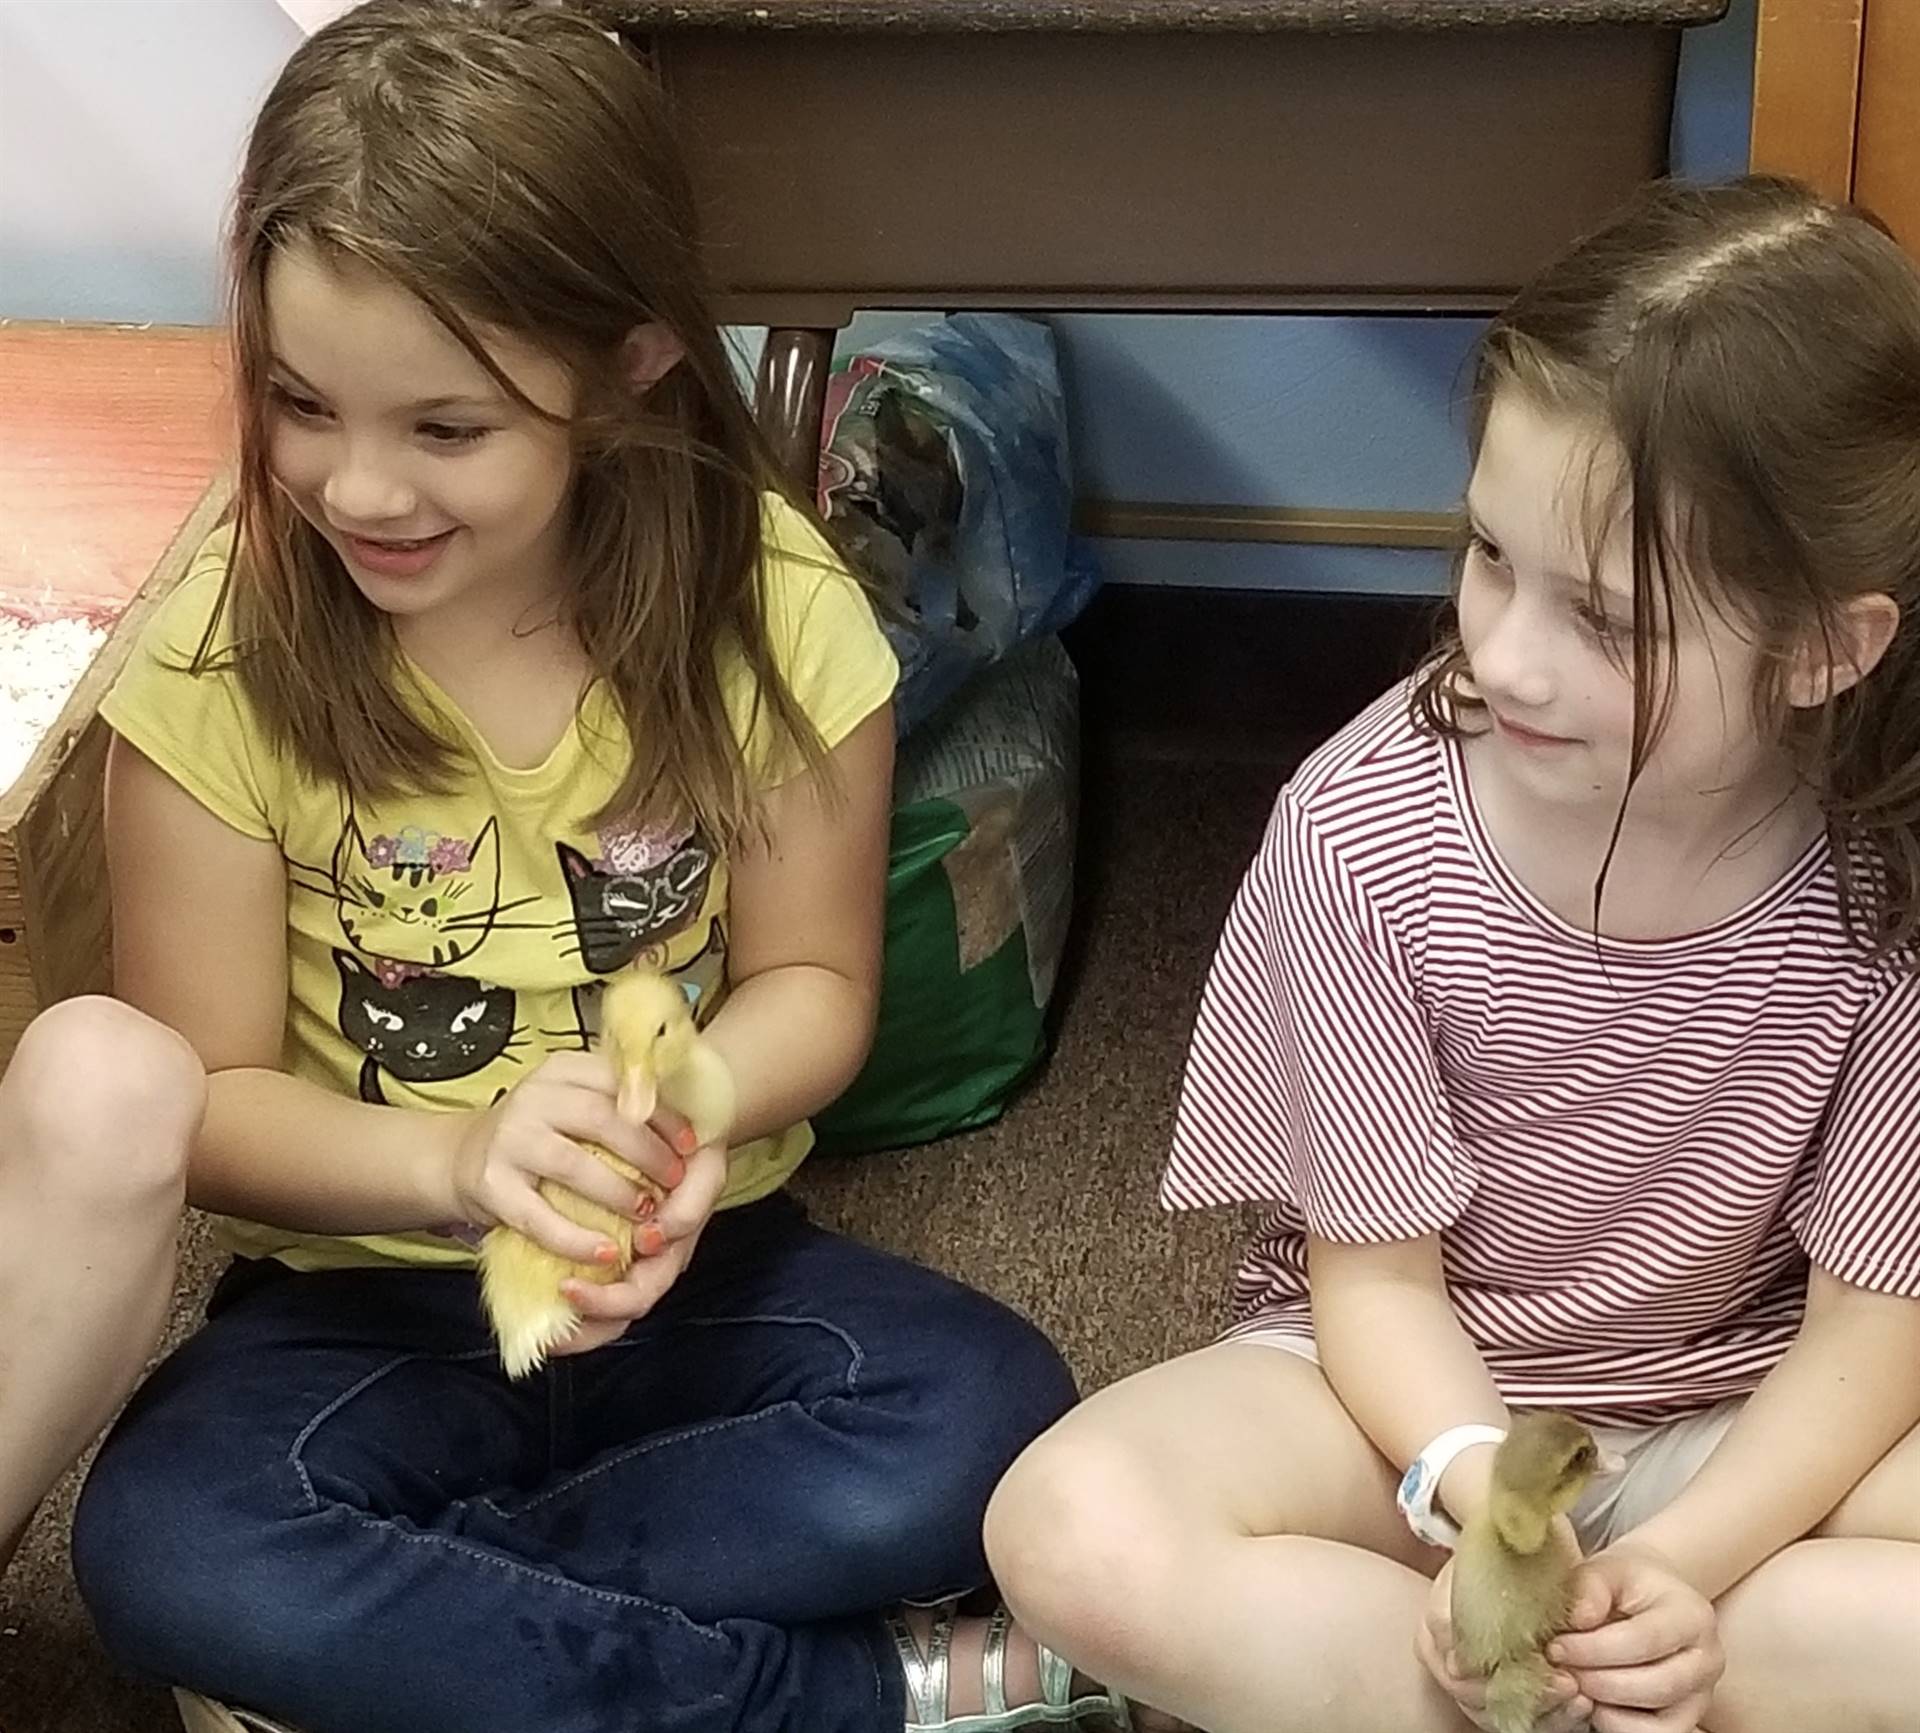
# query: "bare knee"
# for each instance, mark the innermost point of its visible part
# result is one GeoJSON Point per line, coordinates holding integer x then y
{"type": "Point", "coordinates": [1079, 1545]}
{"type": "Point", "coordinates": [105, 1100]}
{"type": "Point", "coordinates": [1823, 1635]}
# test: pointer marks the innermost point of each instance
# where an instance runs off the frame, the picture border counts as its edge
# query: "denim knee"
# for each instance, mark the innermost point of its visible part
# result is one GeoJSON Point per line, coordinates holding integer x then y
{"type": "Point", "coordinates": [1006, 1381]}
{"type": "Point", "coordinates": [989, 1385]}
{"type": "Point", "coordinates": [168, 1549]}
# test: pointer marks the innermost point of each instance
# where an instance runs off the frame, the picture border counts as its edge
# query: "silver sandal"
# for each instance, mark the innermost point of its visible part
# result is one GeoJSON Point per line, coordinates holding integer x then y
{"type": "Point", "coordinates": [928, 1678]}
{"type": "Point", "coordinates": [202, 1715]}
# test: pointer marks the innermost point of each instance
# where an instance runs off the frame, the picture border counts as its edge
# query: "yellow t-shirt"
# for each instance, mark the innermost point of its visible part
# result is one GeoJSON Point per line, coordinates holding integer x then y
{"type": "Point", "coordinates": [440, 946]}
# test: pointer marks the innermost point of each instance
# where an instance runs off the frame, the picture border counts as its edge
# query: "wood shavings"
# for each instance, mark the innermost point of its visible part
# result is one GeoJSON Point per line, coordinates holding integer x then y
{"type": "Point", "coordinates": [45, 647]}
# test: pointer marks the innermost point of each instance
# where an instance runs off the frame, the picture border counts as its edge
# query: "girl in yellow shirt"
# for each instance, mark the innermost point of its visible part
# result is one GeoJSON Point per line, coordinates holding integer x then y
{"type": "Point", "coordinates": [513, 668]}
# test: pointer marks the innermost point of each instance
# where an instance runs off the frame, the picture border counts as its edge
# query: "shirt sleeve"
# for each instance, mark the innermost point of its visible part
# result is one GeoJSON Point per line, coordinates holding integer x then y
{"type": "Point", "coordinates": [825, 640]}
{"type": "Point", "coordinates": [196, 726]}
{"type": "Point", "coordinates": [1862, 1222]}
{"type": "Point", "coordinates": [1311, 1079]}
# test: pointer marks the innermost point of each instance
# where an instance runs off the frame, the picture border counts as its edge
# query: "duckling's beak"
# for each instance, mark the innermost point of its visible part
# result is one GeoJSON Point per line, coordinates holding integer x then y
{"type": "Point", "coordinates": [639, 1095]}
{"type": "Point", "coordinates": [1609, 1462]}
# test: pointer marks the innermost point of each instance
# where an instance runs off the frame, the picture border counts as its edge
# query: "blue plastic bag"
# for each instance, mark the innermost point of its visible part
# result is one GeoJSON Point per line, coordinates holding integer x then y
{"type": "Point", "coordinates": [944, 471]}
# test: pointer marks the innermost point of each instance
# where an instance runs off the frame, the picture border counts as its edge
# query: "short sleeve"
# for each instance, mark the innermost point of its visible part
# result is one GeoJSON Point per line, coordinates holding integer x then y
{"type": "Point", "coordinates": [825, 640]}
{"type": "Point", "coordinates": [1311, 1079]}
{"type": "Point", "coordinates": [196, 727]}
{"type": "Point", "coordinates": [1862, 1221]}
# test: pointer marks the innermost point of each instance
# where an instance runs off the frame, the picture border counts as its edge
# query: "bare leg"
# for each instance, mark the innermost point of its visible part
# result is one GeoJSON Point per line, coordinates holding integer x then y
{"type": "Point", "coordinates": [1217, 1538]}
{"type": "Point", "coordinates": [1825, 1636]}
{"type": "Point", "coordinates": [96, 1114]}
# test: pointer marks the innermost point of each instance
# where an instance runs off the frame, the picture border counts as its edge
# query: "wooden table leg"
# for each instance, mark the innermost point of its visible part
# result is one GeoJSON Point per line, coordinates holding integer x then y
{"type": "Point", "coordinates": [791, 395]}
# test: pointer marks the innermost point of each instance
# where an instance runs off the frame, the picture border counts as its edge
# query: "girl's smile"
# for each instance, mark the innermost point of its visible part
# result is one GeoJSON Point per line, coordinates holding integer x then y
{"type": "Point", "coordinates": [390, 557]}
{"type": "Point", "coordinates": [1525, 737]}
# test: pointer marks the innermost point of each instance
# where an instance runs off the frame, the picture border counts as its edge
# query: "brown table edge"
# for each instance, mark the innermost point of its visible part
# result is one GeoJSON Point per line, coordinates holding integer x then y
{"type": "Point", "coordinates": [640, 18]}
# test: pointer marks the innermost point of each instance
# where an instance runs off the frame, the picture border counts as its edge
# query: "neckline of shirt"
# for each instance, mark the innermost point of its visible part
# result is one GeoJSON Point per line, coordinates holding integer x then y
{"type": "Point", "coordinates": [559, 763]}
{"type": "Point", "coordinates": [1755, 912]}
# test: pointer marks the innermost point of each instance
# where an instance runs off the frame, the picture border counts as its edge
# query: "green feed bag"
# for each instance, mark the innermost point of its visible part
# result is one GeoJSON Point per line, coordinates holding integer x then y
{"type": "Point", "coordinates": [979, 894]}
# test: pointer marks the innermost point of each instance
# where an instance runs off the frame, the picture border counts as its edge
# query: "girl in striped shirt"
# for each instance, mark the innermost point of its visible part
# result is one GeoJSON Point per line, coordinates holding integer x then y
{"type": "Point", "coordinates": [1568, 1025]}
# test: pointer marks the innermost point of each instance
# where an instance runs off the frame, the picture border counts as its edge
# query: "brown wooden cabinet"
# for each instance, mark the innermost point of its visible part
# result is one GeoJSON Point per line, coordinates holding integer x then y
{"type": "Point", "coordinates": [1146, 155]}
{"type": "Point", "coordinates": [1836, 102]}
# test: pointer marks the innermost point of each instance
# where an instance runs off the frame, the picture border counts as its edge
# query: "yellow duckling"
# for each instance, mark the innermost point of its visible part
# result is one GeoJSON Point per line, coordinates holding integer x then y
{"type": "Point", "coordinates": [1512, 1572]}
{"type": "Point", "coordinates": [647, 1026]}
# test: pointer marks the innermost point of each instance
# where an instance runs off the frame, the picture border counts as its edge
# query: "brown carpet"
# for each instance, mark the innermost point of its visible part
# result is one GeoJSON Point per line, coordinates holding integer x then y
{"type": "Point", "coordinates": [1052, 1209]}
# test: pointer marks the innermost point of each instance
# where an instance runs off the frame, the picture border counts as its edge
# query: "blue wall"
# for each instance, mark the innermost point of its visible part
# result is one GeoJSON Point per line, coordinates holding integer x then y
{"type": "Point", "coordinates": [1360, 413]}
{"type": "Point", "coordinates": [121, 124]}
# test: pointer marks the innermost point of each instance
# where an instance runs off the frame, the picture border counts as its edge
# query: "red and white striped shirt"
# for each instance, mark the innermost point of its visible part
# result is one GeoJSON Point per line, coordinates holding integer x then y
{"type": "Point", "coordinates": [1630, 1150]}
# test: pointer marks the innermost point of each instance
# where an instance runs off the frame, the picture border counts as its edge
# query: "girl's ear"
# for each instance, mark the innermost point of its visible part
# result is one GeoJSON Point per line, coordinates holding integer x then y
{"type": "Point", "coordinates": [650, 353]}
{"type": "Point", "coordinates": [1823, 668]}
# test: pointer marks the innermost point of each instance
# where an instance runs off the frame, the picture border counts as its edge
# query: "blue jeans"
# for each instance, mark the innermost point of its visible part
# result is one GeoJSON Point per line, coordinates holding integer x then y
{"type": "Point", "coordinates": [330, 1504]}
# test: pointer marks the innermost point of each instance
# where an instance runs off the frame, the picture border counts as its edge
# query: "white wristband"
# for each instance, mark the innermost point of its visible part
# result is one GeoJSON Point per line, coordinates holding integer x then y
{"type": "Point", "coordinates": [1421, 1483]}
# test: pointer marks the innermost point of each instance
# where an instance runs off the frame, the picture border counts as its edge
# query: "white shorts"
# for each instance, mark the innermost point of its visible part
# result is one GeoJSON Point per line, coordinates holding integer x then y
{"type": "Point", "coordinates": [1660, 1459]}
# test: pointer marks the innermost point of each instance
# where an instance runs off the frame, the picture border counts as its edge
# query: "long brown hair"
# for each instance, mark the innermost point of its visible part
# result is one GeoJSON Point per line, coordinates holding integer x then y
{"type": "Point", "coordinates": [513, 167]}
{"type": "Point", "coordinates": [1753, 351]}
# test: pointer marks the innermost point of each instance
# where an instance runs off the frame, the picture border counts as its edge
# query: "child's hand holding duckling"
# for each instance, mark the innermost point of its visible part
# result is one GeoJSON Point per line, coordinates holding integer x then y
{"type": "Point", "coordinates": [1641, 1641]}
{"type": "Point", "coordinates": [673, 1079]}
{"type": "Point", "coordinates": [500, 1158]}
{"type": "Point", "coordinates": [1509, 1587]}
{"type": "Point", "coordinates": [1567, 1709]}
{"type": "Point", "coordinates": [1641, 1652]}
{"type": "Point", "coordinates": [671, 1089]}
{"type": "Point", "coordinates": [607, 1308]}
{"type": "Point", "coordinates": [1528, 1638]}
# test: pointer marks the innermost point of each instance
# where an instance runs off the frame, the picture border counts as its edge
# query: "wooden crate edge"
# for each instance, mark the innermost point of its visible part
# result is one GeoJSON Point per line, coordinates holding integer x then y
{"type": "Point", "coordinates": [52, 820]}
{"type": "Point", "coordinates": [104, 669]}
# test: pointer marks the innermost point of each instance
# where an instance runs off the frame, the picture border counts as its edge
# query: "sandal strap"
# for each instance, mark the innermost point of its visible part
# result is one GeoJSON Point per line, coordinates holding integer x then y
{"type": "Point", "coordinates": [928, 1673]}
{"type": "Point", "coordinates": [1056, 1691]}
{"type": "Point", "coordinates": [993, 1663]}
{"type": "Point", "coordinates": [1056, 1678]}
{"type": "Point", "coordinates": [203, 1715]}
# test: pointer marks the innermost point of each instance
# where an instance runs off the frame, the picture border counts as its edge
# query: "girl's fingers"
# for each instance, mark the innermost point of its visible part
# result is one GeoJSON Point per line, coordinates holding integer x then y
{"type": "Point", "coordinates": [1661, 1630]}
{"type": "Point", "coordinates": [527, 1212]}
{"type": "Point", "coordinates": [638, 1145]}
{"type": "Point", "coordinates": [1658, 1686]}
{"type": "Point", "coordinates": [687, 1206]}
{"type": "Point", "coordinates": [673, 1130]}
{"type": "Point", "coordinates": [1682, 1718]}
{"type": "Point", "coordinates": [592, 1333]}
{"type": "Point", "coordinates": [1573, 1716]}
{"type": "Point", "coordinates": [631, 1297]}
{"type": "Point", "coordinates": [589, 1176]}
{"type": "Point", "coordinates": [1591, 1605]}
{"type": "Point", "coordinates": [577, 1093]}
{"type": "Point", "coordinates": [1470, 1695]}
{"type": "Point", "coordinates": [1466, 1689]}
{"type": "Point", "coordinates": [587, 1116]}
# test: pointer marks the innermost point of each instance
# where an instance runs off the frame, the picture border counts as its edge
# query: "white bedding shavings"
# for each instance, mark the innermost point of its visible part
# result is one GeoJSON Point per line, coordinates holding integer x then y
{"type": "Point", "coordinates": [41, 661]}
